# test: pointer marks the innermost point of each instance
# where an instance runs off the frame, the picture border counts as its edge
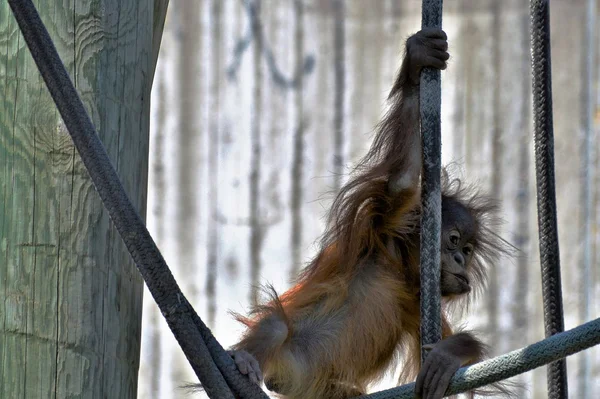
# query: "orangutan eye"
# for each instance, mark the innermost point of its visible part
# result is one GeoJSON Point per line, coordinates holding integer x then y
{"type": "Point", "coordinates": [468, 249]}
{"type": "Point", "coordinates": [454, 237]}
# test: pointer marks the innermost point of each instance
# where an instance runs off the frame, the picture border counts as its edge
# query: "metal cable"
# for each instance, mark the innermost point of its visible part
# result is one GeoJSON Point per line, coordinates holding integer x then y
{"type": "Point", "coordinates": [546, 196]}
{"type": "Point", "coordinates": [431, 197]}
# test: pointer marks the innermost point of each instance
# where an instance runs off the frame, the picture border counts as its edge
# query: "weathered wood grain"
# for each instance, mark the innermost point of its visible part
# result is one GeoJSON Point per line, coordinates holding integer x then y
{"type": "Point", "coordinates": [70, 297]}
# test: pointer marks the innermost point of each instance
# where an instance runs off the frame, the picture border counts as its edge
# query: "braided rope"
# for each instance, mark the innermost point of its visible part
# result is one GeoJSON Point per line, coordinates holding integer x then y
{"type": "Point", "coordinates": [194, 337]}
{"type": "Point", "coordinates": [431, 198]}
{"type": "Point", "coordinates": [546, 196]}
{"type": "Point", "coordinates": [516, 362]}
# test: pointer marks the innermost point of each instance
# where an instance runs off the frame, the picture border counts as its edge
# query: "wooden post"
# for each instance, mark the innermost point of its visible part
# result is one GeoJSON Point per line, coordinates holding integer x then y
{"type": "Point", "coordinates": [70, 297]}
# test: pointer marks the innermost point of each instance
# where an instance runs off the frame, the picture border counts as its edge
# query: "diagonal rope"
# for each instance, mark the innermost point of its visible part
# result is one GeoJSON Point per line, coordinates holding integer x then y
{"type": "Point", "coordinates": [431, 197]}
{"type": "Point", "coordinates": [194, 337]}
{"type": "Point", "coordinates": [546, 191]}
{"type": "Point", "coordinates": [513, 363]}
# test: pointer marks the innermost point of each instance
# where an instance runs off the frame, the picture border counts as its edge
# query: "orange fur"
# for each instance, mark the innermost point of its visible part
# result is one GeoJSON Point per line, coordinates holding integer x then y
{"type": "Point", "coordinates": [355, 307]}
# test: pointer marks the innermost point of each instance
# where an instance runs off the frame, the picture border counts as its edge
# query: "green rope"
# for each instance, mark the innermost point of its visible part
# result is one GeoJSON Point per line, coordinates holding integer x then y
{"type": "Point", "coordinates": [516, 362]}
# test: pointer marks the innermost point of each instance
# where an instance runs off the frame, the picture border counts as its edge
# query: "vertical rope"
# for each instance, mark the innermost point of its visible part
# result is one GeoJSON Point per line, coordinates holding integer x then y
{"type": "Point", "coordinates": [546, 196]}
{"type": "Point", "coordinates": [431, 198]}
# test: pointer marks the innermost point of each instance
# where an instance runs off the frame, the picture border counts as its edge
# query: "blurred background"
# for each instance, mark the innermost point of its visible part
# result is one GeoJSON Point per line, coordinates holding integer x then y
{"type": "Point", "coordinates": [260, 108]}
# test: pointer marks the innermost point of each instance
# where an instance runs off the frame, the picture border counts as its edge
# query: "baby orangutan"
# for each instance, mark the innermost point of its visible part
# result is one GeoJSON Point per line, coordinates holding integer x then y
{"type": "Point", "coordinates": [356, 304]}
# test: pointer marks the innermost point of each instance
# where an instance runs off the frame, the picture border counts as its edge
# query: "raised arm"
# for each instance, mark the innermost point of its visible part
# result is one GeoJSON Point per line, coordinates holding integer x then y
{"type": "Point", "coordinates": [398, 141]}
{"type": "Point", "coordinates": [384, 187]}
{"type": "Point", "coordinates": [395, 155]}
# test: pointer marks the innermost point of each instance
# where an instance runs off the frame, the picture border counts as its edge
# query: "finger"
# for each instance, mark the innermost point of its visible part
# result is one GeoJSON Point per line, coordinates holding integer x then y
{"type": "Point", "coordinates": [420, 382]}
{"type": "Point", "coordinates": [434, 63]}
{"type": "Point", "coordinates": [252, 376]}
{"type": "Point", "coordinates": [438, 44]}
{"type": "Point", "coordinates": [442, 383]}
{"type": "Point", "coordinates": [429, 376]}
{"type": "Point", "coordinates": [241, 363]}
{"type": "Point", "coordinates": [425, 394]}
{"type": "Point", "coordinates": [434, 385]}
{"type": "Point", "coordinates": [439, 54]}
{"type": "Point", "coordinates": [419, 385]}
{"type": "Point", "coordinates": [442, 55]}
{"type": "Point", "coordinates": [434, 33]}
{"type": "Point", "coordinates": [256, 368]}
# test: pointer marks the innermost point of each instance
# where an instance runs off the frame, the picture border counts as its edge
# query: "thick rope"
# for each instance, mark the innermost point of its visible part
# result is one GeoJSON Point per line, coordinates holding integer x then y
{"type": "Point", "coordinates": [187, 327]}
{"type": "Point", "coordinates": [516, 362]}
{"type": "Point", "coordinates": [546, 196]}
{"type": "Point", "coordinates": [431, 197]}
